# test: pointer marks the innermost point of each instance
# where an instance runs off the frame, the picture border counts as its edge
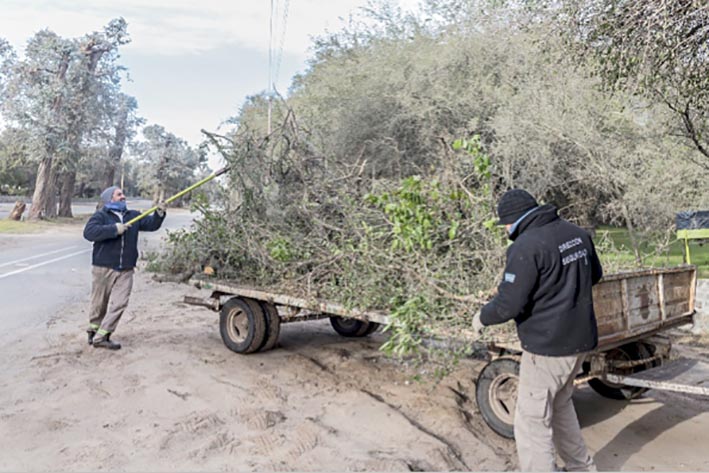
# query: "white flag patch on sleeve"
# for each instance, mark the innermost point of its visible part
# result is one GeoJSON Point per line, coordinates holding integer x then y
{"type": "Point", "coordinates": [510, 277]}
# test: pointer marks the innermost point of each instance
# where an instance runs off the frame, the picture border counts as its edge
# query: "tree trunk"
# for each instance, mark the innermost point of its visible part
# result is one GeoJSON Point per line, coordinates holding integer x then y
{"type": "Point", "coordinates": [158, 195]}
{"type": "Point", "coordinates": [42, 189]}
{"type": "Point", "coordinates": [631, 233]}
{"type": "Point", "coordinates": [50, 209]}
{"type": "Point", "coordinates": [17, 211]}
{"type": "Point", "coordinates": [110, 175]}
{"type": "Point", "coordinates": [68, 180]}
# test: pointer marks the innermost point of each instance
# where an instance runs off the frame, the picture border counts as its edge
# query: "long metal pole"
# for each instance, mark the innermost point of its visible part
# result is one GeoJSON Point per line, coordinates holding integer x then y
{"type": "Point", "coordinates": [180, 194]}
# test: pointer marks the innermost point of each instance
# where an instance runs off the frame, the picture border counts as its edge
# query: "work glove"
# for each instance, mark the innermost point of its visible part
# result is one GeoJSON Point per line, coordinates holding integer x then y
{"type": "Point", "coordinates": [477, 324]}
{"type": "Point", "coordinates": [122, 227]}
{"type": "Point", "coordinates": [162, 208]}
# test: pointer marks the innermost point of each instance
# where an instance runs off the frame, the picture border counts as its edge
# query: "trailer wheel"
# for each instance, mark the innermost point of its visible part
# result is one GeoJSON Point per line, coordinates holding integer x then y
{"type": "Point", "coordinates": [349, 327]}
{"type": "Point", "coordinates": [373, 326]}
{"type": "Point", "coordinates": [273, 325]}
{"type": "Point", "coordinates": [496, 395]}
{"type": "Point", "coordinates": [630, 352]}
{"type": "Point", "coordinates": [242, 325]}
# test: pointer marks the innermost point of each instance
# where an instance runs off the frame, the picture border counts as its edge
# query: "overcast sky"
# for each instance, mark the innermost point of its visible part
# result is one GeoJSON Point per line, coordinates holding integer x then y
{"type": "Point", "coordinates": [192, 62]}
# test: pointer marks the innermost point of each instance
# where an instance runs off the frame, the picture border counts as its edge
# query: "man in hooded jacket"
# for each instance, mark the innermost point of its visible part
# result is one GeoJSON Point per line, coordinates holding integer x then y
{"type": "Point", "coordinates": [546, 289]}
{"type": "Point", "coordinates": [114, 258]}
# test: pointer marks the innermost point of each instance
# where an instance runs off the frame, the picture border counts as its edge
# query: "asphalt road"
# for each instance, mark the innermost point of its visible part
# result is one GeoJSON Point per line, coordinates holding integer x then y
{"type": "Point", "coordinates": [40, 273]}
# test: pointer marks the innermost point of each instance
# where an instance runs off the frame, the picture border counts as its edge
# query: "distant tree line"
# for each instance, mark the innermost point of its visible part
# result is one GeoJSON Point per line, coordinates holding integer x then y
{"type": "Point", "coordinates": [70, 127]}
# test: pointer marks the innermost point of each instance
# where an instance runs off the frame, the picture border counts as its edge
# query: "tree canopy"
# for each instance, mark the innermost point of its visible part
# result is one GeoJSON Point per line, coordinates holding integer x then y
{"type": "Point", "coordinates": [378, 188]}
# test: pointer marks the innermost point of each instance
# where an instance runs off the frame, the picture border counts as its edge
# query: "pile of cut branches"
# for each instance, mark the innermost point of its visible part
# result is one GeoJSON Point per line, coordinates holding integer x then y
{"type": "Point", "coordinates": [422, 247]}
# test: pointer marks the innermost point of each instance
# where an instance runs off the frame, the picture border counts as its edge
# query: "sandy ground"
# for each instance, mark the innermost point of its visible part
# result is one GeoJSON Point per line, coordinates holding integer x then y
{"type": "Point", "coordinates": [174, 398]}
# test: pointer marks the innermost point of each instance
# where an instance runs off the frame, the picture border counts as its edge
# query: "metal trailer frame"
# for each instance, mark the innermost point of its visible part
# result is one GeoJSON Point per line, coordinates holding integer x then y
{"type": "Point", "coordinates": [632, 310]}
{"type": "Point", "coordinates": [291, 309]}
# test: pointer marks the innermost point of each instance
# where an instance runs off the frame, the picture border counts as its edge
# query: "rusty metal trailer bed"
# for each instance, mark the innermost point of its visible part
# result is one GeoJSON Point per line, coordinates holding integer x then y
{"type": "Point", "coordinates": [632, 311]}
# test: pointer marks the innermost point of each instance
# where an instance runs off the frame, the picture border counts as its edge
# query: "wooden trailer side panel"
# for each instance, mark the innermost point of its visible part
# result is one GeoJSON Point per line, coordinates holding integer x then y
{"type": "Point", "coordinates": [609, 306]}
{"type": "Point", "coordinates": [644, 302]}
{"type": "Point", "coordinates": [643, 299]}
{"type": "Point", "coordinates": [678, 294]}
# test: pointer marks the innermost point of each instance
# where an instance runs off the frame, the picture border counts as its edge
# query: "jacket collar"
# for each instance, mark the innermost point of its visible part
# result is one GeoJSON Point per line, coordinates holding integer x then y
{"type": "Point", "coordinates": [541, 216]}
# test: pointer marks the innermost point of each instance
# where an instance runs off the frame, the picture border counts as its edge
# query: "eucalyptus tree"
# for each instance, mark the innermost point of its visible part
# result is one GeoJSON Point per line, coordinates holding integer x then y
{"type": "Point", "coordinates": [168, 162]}
{"type": "Point", "coordinates": [95, 80]}
{"type": "Point", "coordinates": [53, 93]}
{"type": "Point", "coordinates": [122, 124]}
{"type": "Point", "coordinates": [7, 61]}
{"type": "Point", "coordinates": [16, 172]}
{"type": "Point", "coordinates": [35, 98]}
{"type": "Point", "coordinates": [101, 159]}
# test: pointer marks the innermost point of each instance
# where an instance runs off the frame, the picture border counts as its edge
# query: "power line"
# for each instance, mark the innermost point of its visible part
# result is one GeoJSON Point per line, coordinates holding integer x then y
{"type": "Point", "coordinates": [275, 68]}
{"type": "Point", "coordinates": [279, 56]}
{"type": "Point", "coordinates": [270, 65]}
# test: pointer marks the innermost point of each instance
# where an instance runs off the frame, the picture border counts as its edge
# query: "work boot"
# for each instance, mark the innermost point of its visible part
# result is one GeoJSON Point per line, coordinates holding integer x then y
{"type": "Point", "coordinates": [106, 342]}
{"type": "Point", "coordinates": [92, 334]}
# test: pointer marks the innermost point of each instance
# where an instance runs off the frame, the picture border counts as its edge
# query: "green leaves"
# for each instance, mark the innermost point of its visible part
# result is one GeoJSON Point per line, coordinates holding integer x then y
{"type": "Point", "coordinates": [281, 249]}
{"type": "Point", "coordinates": [412, 211]}
{"type": "Point", "coordinates": [481, 161]}
{"type": "Point", "coordinates": [407, 321]}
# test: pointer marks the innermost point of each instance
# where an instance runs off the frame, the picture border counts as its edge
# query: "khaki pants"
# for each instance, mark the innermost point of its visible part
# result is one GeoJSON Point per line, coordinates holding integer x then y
{"type": "Point", "coordinates": [108, 284]}
{"type": "Point", "coordinates": [545, 419]}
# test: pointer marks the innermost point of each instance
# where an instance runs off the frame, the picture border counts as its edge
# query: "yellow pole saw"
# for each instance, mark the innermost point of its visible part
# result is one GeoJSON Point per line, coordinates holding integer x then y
{"type": "Point", "coordinates": [181, 193]}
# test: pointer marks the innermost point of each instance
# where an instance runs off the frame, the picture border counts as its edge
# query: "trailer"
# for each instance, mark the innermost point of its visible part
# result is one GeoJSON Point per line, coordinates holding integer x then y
{"type": "Point", "coordinates": [632, 309]}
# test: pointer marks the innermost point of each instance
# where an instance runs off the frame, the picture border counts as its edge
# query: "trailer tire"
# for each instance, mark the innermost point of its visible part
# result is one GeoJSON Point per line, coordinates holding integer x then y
{"type": "Point", "coordinates": [629, 352]}
{"type": "Point", "coordinates": [242, 325]}
{"type": "Point", "coordinates": [273, 325]}
{"type": "Point", "coordinates": [349, 327]}
{"type": "Point", "coordinates": [496, 395]}
{"type": "Point", "coordinates": [373, 327]}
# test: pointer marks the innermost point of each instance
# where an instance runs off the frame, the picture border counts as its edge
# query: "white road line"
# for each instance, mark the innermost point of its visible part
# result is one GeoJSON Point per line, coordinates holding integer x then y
{"type": "Point", "coordinates": [37, 256]}
{"type": "Point", "coordinates": [43, 263]}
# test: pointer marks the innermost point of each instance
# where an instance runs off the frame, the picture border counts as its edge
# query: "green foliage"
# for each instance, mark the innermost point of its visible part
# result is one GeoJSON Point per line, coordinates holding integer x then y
{"type": "Point", "coordinates": [281, 250]}
{"type": "Point", "coordinates": [377, 186]}
{"type": "Point", "coordinates": [407, 324]}
{"type": "Point", "coordinates": [410, 210]}
{"type": "Point", "coordinates": [481, 161]}
{"type": "Point", "coordinates": [167, 163]}
{"type": "Point", "coordinates": [654, 48]}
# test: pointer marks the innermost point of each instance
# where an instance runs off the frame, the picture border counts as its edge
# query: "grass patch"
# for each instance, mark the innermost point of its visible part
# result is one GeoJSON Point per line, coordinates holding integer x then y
{"type": "Point", "coordinates": [12, 226]}
{"type": "Point", "coordinates": [32, 226]}
{"type": "Point", "coordinates": [616, 251]}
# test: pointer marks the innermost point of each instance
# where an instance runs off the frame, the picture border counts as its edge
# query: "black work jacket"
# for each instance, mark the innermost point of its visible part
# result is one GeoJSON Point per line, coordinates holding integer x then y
{"type": "Point", "coordinates": [112, 250]}
{"type": "Point", "coordinates": [546, 288]}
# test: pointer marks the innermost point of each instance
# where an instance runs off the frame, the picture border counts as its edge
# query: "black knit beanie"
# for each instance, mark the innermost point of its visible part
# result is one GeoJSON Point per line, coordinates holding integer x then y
{"type": "Point", "coordinates": [513, 204]}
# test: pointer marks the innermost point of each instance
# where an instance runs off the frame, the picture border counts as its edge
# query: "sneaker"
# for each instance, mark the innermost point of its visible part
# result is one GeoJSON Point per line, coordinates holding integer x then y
{"type": "Point", "coordinates": [107, 343]}
{"type": "Point", "coordinates": [92, 334]}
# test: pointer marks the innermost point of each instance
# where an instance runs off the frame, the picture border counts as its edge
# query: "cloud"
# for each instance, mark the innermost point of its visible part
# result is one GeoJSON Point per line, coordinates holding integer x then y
{"type": "Point", "coordinates": [192, 61]}
{"type": "Point", "coordinates": [176, 27]}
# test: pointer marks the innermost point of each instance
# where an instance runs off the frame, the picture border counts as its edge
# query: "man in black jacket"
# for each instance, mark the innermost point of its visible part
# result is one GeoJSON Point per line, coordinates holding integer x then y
{"type": "Point", "coordinates": [114, 257]}
{"type": "Point", "coordinates": [546, 289]}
